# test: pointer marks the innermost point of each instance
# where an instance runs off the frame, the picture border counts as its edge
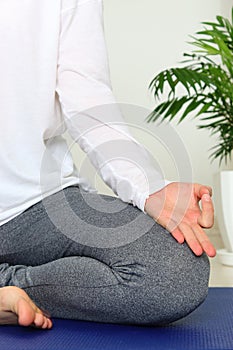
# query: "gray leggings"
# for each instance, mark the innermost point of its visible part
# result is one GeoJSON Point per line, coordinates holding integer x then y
{"type": "Point", "coordinates": [136, 273]}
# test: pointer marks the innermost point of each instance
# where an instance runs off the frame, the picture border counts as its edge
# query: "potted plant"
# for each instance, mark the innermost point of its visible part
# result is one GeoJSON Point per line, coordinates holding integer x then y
{"type": "Point", "coordinates": [206, 76]}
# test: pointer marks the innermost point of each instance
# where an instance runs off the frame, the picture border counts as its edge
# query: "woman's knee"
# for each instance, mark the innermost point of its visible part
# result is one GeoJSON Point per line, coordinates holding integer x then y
{"type": "Point", "coordinates": [188, 289]}
{"type": "Point", "coordinates": [171, 292]}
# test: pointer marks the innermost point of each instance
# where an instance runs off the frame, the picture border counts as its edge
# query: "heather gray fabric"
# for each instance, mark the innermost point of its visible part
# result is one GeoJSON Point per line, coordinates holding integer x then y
{"type": "Point", "coordinates": [150, 280]}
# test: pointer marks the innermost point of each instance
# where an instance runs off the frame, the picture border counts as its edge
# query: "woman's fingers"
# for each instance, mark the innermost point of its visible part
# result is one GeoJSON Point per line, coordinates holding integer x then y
{"type": "Point", "coordinates": [197, 240]}
{"type": "Point", "coordinates": [191, 239]}
{"type": "Point", "coordinates": [199, 190]}
{"type": "Point", "coordinates": [204, 241]}
{"type": "Point", "coordinates": [206, 218]}
{"type": "Point", "coordinates": [178, 235]}
{"type": "Point", "coordinates": [194, 236]}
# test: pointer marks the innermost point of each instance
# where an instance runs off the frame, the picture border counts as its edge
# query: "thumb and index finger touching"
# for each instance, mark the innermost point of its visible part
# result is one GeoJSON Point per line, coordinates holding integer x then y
{"type": "Point", "coordinates": [204, 194]}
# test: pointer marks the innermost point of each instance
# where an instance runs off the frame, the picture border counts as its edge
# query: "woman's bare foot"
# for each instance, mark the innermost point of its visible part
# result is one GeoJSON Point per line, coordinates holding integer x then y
{"type": "Point", "coordinates": [17, 308]}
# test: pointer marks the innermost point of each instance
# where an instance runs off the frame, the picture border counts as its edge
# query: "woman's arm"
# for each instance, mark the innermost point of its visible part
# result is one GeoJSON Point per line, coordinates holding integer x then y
{"type": "Point", "coordinates": [92, 115]}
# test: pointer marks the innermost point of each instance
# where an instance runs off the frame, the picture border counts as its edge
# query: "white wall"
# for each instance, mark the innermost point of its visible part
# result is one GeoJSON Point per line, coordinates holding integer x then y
{"type": "Point", "coordinates": [144, 37]}
{"type": "Point", "coordinates": [226, 6]}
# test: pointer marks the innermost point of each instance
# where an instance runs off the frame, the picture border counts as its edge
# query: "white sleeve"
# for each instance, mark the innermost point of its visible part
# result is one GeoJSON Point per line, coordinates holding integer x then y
{"type": "Point", "coordinates": [91, 113]}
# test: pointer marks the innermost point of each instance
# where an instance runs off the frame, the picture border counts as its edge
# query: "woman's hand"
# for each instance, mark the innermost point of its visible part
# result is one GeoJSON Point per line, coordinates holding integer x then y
{"type": "Point", "coordinates": [176, 207]}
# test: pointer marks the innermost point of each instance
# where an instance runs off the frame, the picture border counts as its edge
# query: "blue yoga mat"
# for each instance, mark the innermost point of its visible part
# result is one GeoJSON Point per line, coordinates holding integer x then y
{"type": "Point", "coordinates": [210, 327]}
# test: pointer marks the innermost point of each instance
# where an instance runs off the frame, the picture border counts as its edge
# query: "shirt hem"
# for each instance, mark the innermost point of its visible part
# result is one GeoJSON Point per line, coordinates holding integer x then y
{"type": "Point", "coordinates": [37, 199]}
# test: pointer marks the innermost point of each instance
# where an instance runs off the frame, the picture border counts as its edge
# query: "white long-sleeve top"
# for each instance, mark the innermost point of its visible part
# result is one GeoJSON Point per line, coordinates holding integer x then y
{"type": "Point", "coordinates": [54, 76]}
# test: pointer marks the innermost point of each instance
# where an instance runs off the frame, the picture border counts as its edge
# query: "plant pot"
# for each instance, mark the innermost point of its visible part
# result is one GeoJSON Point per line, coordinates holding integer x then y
{"type": "Point", "coordinates": [224, 211]}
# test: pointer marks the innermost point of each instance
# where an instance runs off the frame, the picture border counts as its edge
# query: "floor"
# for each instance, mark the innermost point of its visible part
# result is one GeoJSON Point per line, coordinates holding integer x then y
{"type": "Point", "coordinates": [221, 276]}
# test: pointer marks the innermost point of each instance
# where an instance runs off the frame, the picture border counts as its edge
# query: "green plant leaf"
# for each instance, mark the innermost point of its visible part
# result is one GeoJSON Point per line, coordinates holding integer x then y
{"type": "Point", "coordinates": [190, 108]}
{"type": "Point", "coordinates": [207, 80]}
{"type": "Point", "coordinates": [158, 111]}
{"type": "Point", "coordinates": [174, 108]}
{"type": "Point", "coordinates": [170, 81]}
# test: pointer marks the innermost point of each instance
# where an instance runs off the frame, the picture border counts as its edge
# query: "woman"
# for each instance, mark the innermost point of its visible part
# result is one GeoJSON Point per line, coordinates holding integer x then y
{"type": "Point", "coordinates": [78, 254]}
